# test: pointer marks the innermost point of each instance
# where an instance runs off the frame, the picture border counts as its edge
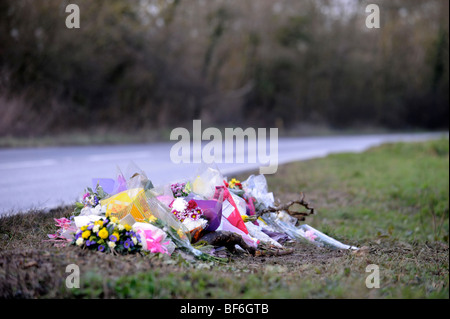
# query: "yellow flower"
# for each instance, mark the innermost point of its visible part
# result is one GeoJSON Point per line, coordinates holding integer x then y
{"type": "Point", "coordinates": [103, 233]}
{"type": "Point", "coordinates": [244, 218]}
{"type": "Point", "coordinates": [152, 219]}
{"type": "Point", "coordinates": [114, 220]}
{"type": "Point", "coordinates": [127, 227]}
{"type": "Point", "coordinates": [86, 234]}
{"type": "Point", "coordinates": [117, 235]}
{"type": "Point", "coordinates": [233, 182]}
{"type": "Point", "coordinates": [99, 222]}
{"type": "Point", "coordinates": [181, 233]}
{"type": "Point", "coordinates": [83, 228]}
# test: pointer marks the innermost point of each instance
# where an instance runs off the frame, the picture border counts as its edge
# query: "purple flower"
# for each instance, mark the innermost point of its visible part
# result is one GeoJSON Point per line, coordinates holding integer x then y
{"type": "Point", "coordinates": [90, 226]}
{"type": "Point", "coordinates": [127, 244]}
{"type": "Point", "coordinates": [88, 242]}
{"type": "Point", "coordinates": [178, 189]}
{"type": "Point", "coordinates": [101, 248]}
{"type": "Point", "coordinates": [113, 238]}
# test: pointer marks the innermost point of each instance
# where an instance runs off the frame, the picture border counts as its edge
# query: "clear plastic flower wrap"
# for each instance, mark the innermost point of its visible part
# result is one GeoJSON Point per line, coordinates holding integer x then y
{"type": "Point", "coordinates": [256, 232]}
{"type": "Point", "coordinates": [320, 239]}
{"type": "Point", "coordinates": [136, 178]}
{"type": "Point", "coordinates": [206, 180]}
{"type": "Point", "coordinates": [164, 219]}
{"type": "Point", "coordinates": [256, 186]}
{"type": "Point", "coordinates": [282, 222]}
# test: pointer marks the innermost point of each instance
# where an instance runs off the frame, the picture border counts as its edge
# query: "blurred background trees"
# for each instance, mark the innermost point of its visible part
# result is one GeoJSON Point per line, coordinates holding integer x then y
{"type": "Point", "coordinates": [158, 64]}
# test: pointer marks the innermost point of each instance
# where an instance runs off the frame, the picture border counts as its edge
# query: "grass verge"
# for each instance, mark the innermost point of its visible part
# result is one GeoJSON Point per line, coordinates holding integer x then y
{"type": "Point", "coordinates": [392, 200]}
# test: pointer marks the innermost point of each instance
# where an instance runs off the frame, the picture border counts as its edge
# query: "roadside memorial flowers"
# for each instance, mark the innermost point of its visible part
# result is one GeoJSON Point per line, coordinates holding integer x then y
{"type": "Point", "coordinates": [186, 211]}
{"type": "Point", "coordinates": [90, 201]}
{"type": "Point", "coordinates": [136, 217]}
{"type": "Point", "coordinates": [108, 235]}
{"type": "Point", "coordinates": [180, 189]}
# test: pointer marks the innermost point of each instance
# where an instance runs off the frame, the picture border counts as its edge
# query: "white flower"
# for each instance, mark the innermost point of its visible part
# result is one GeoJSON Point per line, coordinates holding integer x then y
{"type": "Point", "coordinates": [193, 224]}
{"type": "Point", "coordinates": [179, 205]}
{"type": "Point", "coordinates": [111, 244]}
{"type": "Point", "coordinates": [96, 228]}
{"type": "Point", "coordinates": [134, 240]}
{"type": "Point", "coordinates": [121, 227]}
{"type": "Point", "coordinates": [79, 241]}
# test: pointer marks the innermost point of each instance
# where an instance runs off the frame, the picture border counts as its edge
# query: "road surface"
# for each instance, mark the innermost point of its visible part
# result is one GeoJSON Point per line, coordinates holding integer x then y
{"type": "Point", "coordinates": [42, 178]}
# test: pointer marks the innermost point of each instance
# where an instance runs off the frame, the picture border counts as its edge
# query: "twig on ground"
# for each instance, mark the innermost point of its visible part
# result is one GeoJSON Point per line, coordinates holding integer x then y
{"type": "Point", "coordinates": [288, 207]}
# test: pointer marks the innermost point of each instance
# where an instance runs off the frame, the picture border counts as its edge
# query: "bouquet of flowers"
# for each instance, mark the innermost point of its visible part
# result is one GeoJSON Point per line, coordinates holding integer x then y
{"type": "Point", "coordinates": [191, 215]}
{"type": "Point", "coordinates": [90, 202]}
{"type": "Point", "coordinates": [181, 189]}
{"type": "Point", "coordinates": [164, 219]}
{"type": "Point", "coordinates": [108, 235]}
{"type": "Point", "coordinates": [235, 186]}
{"type": "Point", "coordinates": [184, 210]}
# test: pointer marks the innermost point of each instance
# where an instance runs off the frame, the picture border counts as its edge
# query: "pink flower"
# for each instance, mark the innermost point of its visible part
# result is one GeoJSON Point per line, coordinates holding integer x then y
{"type": "Point", "coordinates": [310, 235]}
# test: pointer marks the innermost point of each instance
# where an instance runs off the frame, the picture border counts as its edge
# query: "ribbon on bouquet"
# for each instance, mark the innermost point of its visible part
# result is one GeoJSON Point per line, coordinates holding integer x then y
{"type": "Point", "coordinates": [155, 244]}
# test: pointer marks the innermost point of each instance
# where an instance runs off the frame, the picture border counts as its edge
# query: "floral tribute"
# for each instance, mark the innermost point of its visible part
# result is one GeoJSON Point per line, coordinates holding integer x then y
{"type": "Point", "coordinates": [183, 209]}
{"type": "Point", "coordinates": [107, 235]}
{"type": "Point", "coordinates": [91, 200]}
{"type": "Point", "coordinates": [180, 189]}
{"type": "Point", "coordinates": [130, 215]}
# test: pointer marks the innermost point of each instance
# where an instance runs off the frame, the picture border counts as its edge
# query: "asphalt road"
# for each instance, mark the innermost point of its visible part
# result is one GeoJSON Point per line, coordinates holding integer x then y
{"type": "Point", "coordinates": [47, 177]}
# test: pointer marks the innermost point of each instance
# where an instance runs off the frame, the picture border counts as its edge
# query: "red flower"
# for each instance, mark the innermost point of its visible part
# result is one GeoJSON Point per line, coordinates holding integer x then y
{"type": "Point", "coordinates": [192, 204]}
